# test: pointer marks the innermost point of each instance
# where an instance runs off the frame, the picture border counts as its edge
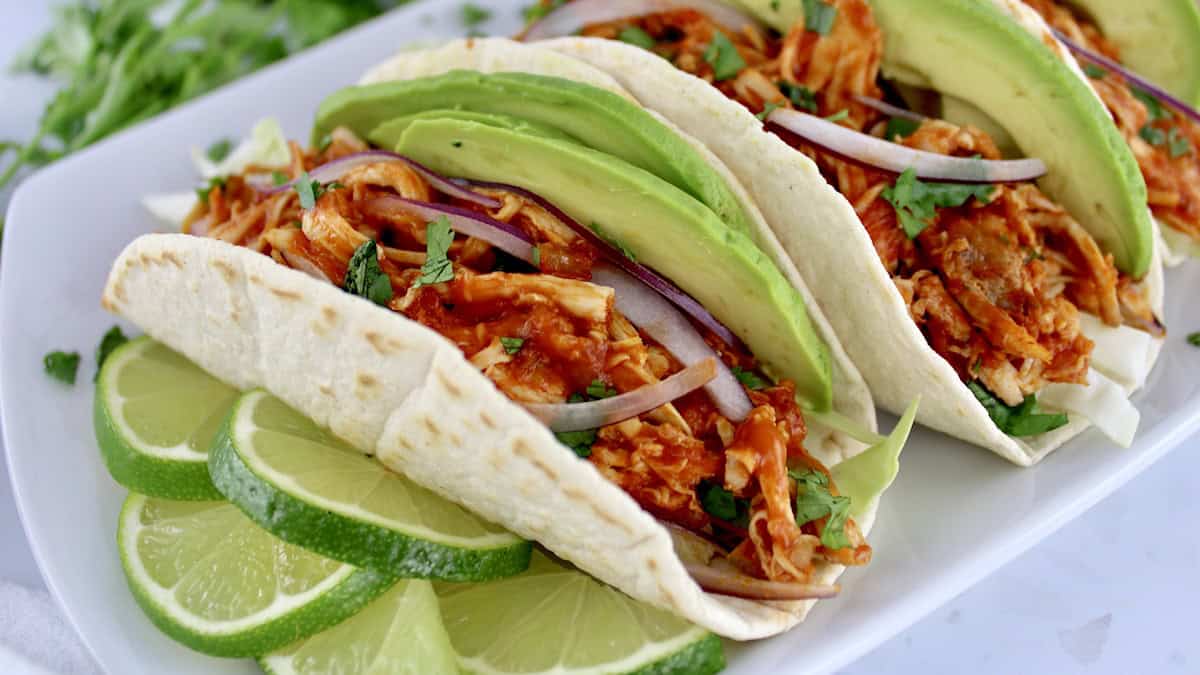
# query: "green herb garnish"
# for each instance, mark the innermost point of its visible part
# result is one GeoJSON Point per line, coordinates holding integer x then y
{"type": "Point", "coordinates": [62, 366]}
{"type": "Point", "coordinates": [819, 16]}
{"type": "Point", "coordinates": [900, 127]}
{"type": "Point", "coordinates": [112, 339]}
{"type": "Point", "coordinates": [536, 256]}
{"type": "Point", "coordinates": [724, 58]}
{"type": "Point", "coordinates": [767, 110]}
{"type": "Point", "coordinates": [1178, 144]}
{"type": "Point", "coordinates": [1152, 135]}
{"type": "Point", "coordinates": [722, 504]}
{"type": "Point", "coordinates": [1155, 107]}
{"type": "Point", "coordinates": [538, 10]}
{"type": "Point", "coordinates": [279, 178]}
{"type": "Point", "coordinates": [636, 37]}
{"type": "Point", "coordinates": [308, 189]}
{"type": "Point", "coordinates": [1094, 71]}
{"type": "Point", "coordinates": [219, 150]}
{"type": "Point", "coordinates": [512, 345]}
{"type": "Point", "coordinates": [579, 441]}
{"type": "Point", "coordinates": [598, 390]}
{"type": "Point", "coordinates": [1194, 339]}
{"type": "Point", "coordinates": [749, 379]}
{"type": "Point", "coordinates": [437, 268]}
{"type": "Point", "coordinates": [1020, 420]}
{"type": "Point", "coordinates": [814, 501]}
{"type": "Point", "coordinates": [214, 182]}
{"type": "Point", "coordinates": [916, 202]}
{"type": "Point", "coordinates": [838, 116]}
{"type": "Point", "coordinates": [364, 276]}
{"type": "Point", "coordinates": [472, 15]}
{"type": "Point", "coordinates": [801, 96]}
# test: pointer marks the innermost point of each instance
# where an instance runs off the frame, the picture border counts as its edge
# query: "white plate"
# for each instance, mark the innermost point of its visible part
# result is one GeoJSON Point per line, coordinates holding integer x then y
{"type": "Point", "coordinates": [955, 514]}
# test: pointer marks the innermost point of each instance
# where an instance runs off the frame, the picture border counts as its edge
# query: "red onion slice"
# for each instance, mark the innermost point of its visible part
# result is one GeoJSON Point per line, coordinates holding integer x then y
{"type": "Point", "coordinates": [302, 264]}
{"type": "Point", "coordinates": [596, 414]}
{"type": "Point", "coordinates": [889, 109]}
{"type": "Point", "coordinates": [729, 581]}
{"type": "Point", "coordinates": [1129, 76]}
{"type": "Point", "coordinates": [503, 236]}
{"type": "Point", "coordinates": [644, 274]}
{"type": "Point", "coordinates": [572, 17]}
{"type": "Point", "coordinates": [896, 158]}
{"type": "Point", "coordinates": [331, 171]}
{"type": "Point", "coordinates": [652, 313]}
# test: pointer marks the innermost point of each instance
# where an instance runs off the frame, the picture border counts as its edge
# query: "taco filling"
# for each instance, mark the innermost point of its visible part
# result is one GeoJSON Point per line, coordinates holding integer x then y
{"type": "Point", "coordinates": [524, 302]}
{"type": "Point", "coordinates": [1163, 140]}
{"type": "Point", "coordinates": [995, 274]}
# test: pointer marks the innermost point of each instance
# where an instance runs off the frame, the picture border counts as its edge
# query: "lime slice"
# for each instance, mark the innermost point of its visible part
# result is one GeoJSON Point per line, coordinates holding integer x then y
{"type": "Point", "coordinates": [155, 415]}
{"type": "Point", "coordinates": [213, 580]}
{"type": "Point", "coordinates": [309, 488]}
{"type": "Point", "coordinates": [401, 633]}
{"type": "Point", "coordinates": [555, 619]}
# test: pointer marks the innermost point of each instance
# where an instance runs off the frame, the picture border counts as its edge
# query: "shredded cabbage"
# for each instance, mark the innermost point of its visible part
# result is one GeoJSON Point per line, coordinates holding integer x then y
{"type": "Point", "coordinates": [1122, 353]}
{"type": "Point", "coordinates": [1101, 401]}
{"type": "Point", "coordinates": [1176, 246]}
{"type": "Point", "coordinates": [266, 147]}
{"type": "Point", "coordinates": [170, 209]}
{"type": "Point", "coordinates": [865, 476]}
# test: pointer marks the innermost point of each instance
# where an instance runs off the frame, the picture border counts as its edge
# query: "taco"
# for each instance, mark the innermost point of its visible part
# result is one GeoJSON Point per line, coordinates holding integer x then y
{"type": "Point", "coordinates": [1021, 311]}
{"type": "Point", "coordinates": [546, 304]}
{"type": "Point", "coordinates": [1120, 43]}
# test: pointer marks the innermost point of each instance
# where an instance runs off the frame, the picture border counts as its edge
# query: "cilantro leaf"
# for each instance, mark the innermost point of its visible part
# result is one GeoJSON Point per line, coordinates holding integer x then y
{"type": "Point", "coordinates": [512, 345]}
{"type": "Point", "coordinates": [819, 16]}
{"type": "Point", "coordinates": [279, 178]}
{"type": "Point", "coordinates": [539, 10]}
{"type": "Point", "coordinates": [214, 182]}
{"type": "Point", "coordinates": [900, 127]}
{"type": "Point", "coordinates": [579, 441]}
{"type": "Point", "coordinates": [1178, 144]}
{"type": "Point", "coordinates": [437, 268]}
{"type": "Point", "coordinates": [536, 256]}
{"type": "Point", "coordinates": [1152, 135]}
{"type": "Point", "coordinates": [767, 110]}
{"type": "Point", "coordinates": [722, 504]}
{"type": "Point", "coordinates": [749, 379]}
{"type": "Point", "coordinates": [636, 37]}
{"type": "Point", "coordinates": [62, 366]}
{"type": "Point", "coordinates": [724, 58]}
{"type": "Point", "coordinates": [598, 390]}
{"type": "Point", "coordinates": [814, 501]}
{"type": "Point", "coordinates": [309, 190]}
{"type": "Point", "coordinates": [801, 96]}
{"type": "Point", "coordinates": [1094, 71]}
{"type": "Point", "coordinates": [916, 202]}
{"type": "Point", "coordinates": [1193, 339]}
{"type": "Point", "coordinates": [1155, 107]}
{"type": "Point", "coordinates": [112, 339]}
{"type": "Point", "coordinates": [472, 15]}
{"type": "Point", "coordinates": [219, 150]}
{"type": "Point", "coordinates": [838, 116]}
{"type": "Point", "coordinates": [1020, 420]}
{"type": "Point", "coordinates": [364, 276]}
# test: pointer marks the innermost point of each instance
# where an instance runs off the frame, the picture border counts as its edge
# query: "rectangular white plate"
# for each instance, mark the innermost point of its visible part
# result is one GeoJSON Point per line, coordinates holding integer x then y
{"type": "Point", "coordinates": [955, 514]}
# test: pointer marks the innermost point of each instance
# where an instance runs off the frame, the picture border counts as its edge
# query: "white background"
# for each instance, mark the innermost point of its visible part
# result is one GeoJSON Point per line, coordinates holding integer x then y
{"type": "Point", "coordinates": [1116, 591]}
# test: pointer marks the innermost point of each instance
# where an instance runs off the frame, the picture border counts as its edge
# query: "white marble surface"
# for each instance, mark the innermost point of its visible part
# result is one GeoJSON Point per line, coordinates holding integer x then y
{"type": "Point", "coordinates": [1113, 592]}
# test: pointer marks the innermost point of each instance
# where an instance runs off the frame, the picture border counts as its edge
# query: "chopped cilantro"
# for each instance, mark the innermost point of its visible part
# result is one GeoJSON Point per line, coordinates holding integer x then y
{"type": "Point", "coordinates": [636, 37]}
{"type": "Point", "coordinates": [437, 268]}
{"type": "Point", "coordinates": [512, 345]}
{"type": "Point", "coordinates": [219, 150]}
{"type": "Point", "coordinates": [838, 116]}
{"type": "Point", "coordinates": [767, 110]}
{"type": "Point", "coordinates": [598, 390]}
{"type": "Point", "coordinates": [1178, 144]}
{"type": "Point", "coordinates": [364, 276]}
{"type": "Point", "coordinates": [900, 127]}
{"type": "Point", "coordinates": [1094, 71]}
{"type": "Point", "coordinates": [774, 5]}
{"type": "Point", "coordinates": [814, 501]}
{"type": "Point", "coordinates": [801, 96]}
{"type": "Point", "coordinates": [749, 379]}
{"type": "Point", "coordinates": [325, 142]}
{"type": "Point", "coordinates": [1194, 339]}
{"type": "Point", "coordinates": [1153, 135]}
{"type": "Point", "coordinates": [62, 366]}
{"type": "Point", "coordinates": [1155, 107]}
{"type": "Point", "coordinates": [724, 58]}
{"type": "Point", "coordinates": [214, 182]}
{"type": "Point", "coordinates": [279, 178]}
{"type": "Point", "coordinates": [472, 15]}
{"type": "Point", "coordinates": [308, 189]}
{"type": "Point", "coordinates": [819, 16]}
{"type": "Point", "coordinates": [536, 256]}
{"type": "Point", "coordinates": [538, 10]}
{"type": "Point", "coordinates": [1020, 420]}
{"type": "Point", "coordinates": [578, 441]}
{"type": "Point", "coordinates": [722, 504]}
{"type": "Point", "coordinates": [916, 201]}
{"type": "Point", "coordinates": [112, 339]}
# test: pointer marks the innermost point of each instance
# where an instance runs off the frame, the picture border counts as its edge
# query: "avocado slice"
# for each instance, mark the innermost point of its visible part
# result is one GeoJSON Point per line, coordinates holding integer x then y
{"type": "Point", "coordinates": [973, 51]}
{"type": "Point", "coordinates": [388, 134]}
{"type": "Point", "coordinates": [597, 118]}
{"type": "Point", "coordinates": [662, 226]}
{"type": "Point", "coordinates": [1159, 39]}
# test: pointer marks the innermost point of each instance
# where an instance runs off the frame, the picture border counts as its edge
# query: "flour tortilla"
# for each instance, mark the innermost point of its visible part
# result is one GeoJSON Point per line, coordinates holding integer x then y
{"type": "Point", "coordinates": [832, 250]}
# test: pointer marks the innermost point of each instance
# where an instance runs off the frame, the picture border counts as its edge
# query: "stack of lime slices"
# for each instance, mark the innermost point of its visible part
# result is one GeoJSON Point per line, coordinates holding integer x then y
{"type": "Point", "coordinates": [251, 532]}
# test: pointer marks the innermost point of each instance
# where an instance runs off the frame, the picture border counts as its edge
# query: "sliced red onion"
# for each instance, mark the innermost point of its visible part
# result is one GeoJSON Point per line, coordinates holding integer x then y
{"type": "Point", "coordinates": [652, 313]}
{"type": "Point", "coordinates": [302, 264]}
{"type": "Point", "coordinates": [572, 17]}
{"type": "Point", "coordinates": [331, 171]}
{"type": "Point", "coordinates": [644, 274]}
{"type": "Point", "coordinates": [889, 109]}
{"type": "Point", "coordinates": [503, 236]}
{"type": "Point", "coordinates": [1129, 76]}
{"type": "Point", "coordinates": [596, 414]}
{"type": "Point", "coordinates": [727, 580]}
{"type": "Point", "coordinates": [896, 158]}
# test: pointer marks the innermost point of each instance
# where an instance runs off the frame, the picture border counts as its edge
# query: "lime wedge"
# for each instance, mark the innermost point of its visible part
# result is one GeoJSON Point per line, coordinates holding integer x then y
{"type": "Point", "coordinates": [155, 415]}
{"type": "Point", "coordinates": [213, 580]}
{"type": "Point", "coordinates": [555, 619]}
{"type": "Point", "coordinates": [401, 633]}
{"type": "Point", "coordinates": [309, 488]}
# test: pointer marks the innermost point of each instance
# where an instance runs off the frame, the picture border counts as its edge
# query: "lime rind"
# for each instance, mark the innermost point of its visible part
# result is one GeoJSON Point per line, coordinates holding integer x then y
{"type": "Point", "coordinates": [341, 531]}
{"type": "Point", "coordinates": [178, 472]}
{"type": "Point", "coordinates": [288, 619]}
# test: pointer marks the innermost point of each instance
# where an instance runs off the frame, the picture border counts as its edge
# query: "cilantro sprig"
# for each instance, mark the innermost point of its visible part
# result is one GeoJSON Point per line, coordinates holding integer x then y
{"type": "Point", "coordinates": [310, 190]}
{"type": "Point", "coordinates": [723, 504]}
{"type": "Point", "coordinates": [724, 58]}
{"type": "Point", "coordinates": [437, 268]}
{"type": "Point", "coordinates": [1020, 420]}
{"type": "Point", "coordinates": [636, 37]}
{"type": "Point", "coordinates": [749, 379]}
{"type": "Point", "coordinates": [62, 366]}
{"type": "Point", "coordinates": [814, 500]}
{"type": "Point", "coordinates": [365, 278]}
{"type": "Point", "coordinates": [114, 338]}
{"type": "Point", "coordinates": [916, 201]}
{"type": "Point", "coordinates": [819, 16]}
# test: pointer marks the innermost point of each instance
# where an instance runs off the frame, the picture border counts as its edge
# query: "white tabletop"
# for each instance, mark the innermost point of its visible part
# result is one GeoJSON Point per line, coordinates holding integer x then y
{"type": "Point", "coordinates": [1112, 592]}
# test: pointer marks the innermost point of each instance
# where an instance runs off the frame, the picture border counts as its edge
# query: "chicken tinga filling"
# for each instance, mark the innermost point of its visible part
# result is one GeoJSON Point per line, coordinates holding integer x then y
{"type": "Point", "coordinates": [713, 447]}
{"type": "Point", "coordinates": [1162, 139]}
{"type": "Point", "coordinates": [994, 272]}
